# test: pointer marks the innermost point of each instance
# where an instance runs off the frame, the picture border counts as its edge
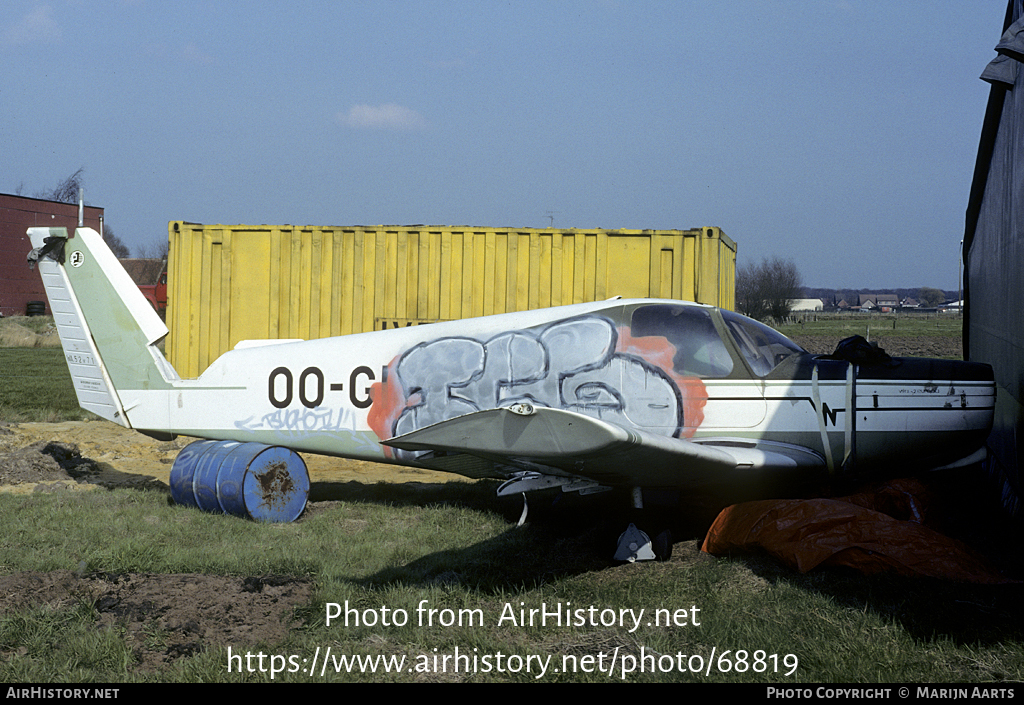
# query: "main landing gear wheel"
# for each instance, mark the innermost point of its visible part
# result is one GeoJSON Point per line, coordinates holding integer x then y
{"type": "Point", "coordinates": [636, 545]}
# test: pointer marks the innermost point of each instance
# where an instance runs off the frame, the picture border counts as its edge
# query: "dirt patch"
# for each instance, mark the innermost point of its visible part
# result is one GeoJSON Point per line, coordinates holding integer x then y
{"type": "Point", "coordinates": [169, 616]}
{"type": "Point", "coordinates": [43, 462]}
{"type": "Point", "coordinates": [102, 454]}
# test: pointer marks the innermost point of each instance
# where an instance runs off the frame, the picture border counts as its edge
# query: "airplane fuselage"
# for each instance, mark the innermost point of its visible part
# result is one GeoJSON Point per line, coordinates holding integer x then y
{"type": "Point", "coordinates": [687, 386]}
{"type": "Point", "coordinates": [343, 396]}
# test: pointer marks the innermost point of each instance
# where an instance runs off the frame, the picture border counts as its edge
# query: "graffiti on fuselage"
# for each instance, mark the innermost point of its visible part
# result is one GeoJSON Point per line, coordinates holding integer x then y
{"type": "Point", "coordinates": [317, 419]}
{"type": "Point", "coordinates": [585, 365]}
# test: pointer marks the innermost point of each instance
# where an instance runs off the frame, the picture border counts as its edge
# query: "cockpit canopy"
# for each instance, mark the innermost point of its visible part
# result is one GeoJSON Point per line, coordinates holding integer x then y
{"type": "Point", "coordinates": [707, 340]}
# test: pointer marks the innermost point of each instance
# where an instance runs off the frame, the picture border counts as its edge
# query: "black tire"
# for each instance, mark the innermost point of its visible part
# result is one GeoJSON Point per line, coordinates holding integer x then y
{"type": "Point", "coordinates": [35, 308]}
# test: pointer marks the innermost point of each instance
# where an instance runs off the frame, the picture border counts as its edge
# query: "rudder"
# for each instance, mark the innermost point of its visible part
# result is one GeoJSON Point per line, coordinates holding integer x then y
{"type": "Point", "coordinates": [107, 329]}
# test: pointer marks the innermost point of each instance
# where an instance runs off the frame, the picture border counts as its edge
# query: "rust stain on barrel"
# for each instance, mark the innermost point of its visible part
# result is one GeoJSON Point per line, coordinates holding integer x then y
{"type": "Point", "coordinates": [275, 482]}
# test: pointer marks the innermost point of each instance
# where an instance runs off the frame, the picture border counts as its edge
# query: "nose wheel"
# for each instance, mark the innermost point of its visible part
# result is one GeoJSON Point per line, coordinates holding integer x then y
{"type": "Point", "coordinates": [636, 545]}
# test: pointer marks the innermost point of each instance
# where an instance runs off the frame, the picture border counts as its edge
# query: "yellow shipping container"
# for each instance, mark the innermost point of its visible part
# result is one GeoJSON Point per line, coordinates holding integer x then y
{"type": "Point", "coordinates": [228, 283]}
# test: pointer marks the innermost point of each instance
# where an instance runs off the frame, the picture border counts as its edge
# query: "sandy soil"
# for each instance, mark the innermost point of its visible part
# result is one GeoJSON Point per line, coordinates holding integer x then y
{"type": "Point", "coordinates": [116, 456]}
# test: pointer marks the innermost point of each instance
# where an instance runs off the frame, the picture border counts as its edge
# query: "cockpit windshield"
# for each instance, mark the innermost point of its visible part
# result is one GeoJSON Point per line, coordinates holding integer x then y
{"type": "Point", "coordinates": [763, 348]}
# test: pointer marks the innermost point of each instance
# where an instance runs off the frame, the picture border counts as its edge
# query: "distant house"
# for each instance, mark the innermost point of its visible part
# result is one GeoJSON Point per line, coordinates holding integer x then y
{"type": "Point", "coordinates": [18, 283]}
{"type": "Point", "coordinates": [882, 302]}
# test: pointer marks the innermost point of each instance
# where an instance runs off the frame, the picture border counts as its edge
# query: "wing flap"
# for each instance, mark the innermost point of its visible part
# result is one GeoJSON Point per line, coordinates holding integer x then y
{"type": "Point", "coordinates": [569, 443]}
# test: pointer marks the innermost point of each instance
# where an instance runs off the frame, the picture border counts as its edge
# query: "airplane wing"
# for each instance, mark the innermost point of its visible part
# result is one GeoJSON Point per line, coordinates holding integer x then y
{"type": "Point", "coordinates": [569, 444]}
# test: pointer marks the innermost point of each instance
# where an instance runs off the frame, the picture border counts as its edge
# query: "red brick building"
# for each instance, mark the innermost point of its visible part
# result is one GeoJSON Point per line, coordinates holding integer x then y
{"type": "Point", "coordinates": [18, 283]}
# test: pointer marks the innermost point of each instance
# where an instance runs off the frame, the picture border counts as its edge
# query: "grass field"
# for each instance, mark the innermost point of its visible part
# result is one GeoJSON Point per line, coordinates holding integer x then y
{"type": "Point", "coordinates": [460, 557]}
{"type": "Point", "coordinates": [842, 326]}
{"type": "Point", "coordinates": [394, 552]}
{"type": "Point", "coordinates": [35, 386]}
{"type": "Point", "coordinates": [938, 336]}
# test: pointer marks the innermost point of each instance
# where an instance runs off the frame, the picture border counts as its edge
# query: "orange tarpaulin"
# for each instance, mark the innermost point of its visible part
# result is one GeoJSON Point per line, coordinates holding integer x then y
{"type": "Point", "coordinates": [870, 532]}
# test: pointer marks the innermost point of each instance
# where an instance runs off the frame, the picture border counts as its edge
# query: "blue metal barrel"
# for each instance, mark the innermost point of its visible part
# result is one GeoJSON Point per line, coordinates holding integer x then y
{"type": "Point", "coordinates": [183, 471]}
{"type": "Point", "coordinates": [266, 483]}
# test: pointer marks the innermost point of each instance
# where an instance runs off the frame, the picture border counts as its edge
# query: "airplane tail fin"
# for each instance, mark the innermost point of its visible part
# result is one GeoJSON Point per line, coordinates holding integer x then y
{"type": "Point", "coordinates": [107, 328]}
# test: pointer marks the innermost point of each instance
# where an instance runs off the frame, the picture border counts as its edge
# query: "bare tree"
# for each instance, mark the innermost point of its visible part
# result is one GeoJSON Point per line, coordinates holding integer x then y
{"type": "Point", "coordinates": [115, 244]}
{"type": "Point", "coordinates": [66, 191]}
{"type": "Point", "coordinates": [751, 297]}
{"type": "Point", "coordinates": [767, 290]}
{"type": "Point", "coordinates": [155, 250]}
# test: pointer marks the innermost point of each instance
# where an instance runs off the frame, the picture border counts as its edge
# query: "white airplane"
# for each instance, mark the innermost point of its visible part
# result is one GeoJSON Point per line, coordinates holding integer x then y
{"type": "Point", "coordinates": [621, 393]}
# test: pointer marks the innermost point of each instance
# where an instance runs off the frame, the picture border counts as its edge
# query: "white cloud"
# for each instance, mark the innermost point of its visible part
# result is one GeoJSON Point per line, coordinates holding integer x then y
{"type": "Point", "coordinates": [388, 116]}
{"type": "Point", "coordinates": [36, 26]}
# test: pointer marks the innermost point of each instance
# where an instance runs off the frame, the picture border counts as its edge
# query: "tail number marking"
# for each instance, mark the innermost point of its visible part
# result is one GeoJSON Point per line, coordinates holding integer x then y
{"type": "Point", "coordinates": [281, 387]}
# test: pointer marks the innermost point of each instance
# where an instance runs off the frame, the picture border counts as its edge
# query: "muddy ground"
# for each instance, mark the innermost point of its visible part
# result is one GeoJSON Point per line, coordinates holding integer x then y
{"type": "Point", "coordinates": [164, 616]}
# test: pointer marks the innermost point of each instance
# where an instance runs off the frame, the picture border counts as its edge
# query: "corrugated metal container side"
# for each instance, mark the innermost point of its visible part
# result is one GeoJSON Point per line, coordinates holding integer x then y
{"type": "Point", "coordinates": [238, 282]}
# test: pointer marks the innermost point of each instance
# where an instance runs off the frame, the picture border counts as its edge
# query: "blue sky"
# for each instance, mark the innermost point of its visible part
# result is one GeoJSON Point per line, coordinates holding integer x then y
{"type": "Point", "coordinates": [840, 134]}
